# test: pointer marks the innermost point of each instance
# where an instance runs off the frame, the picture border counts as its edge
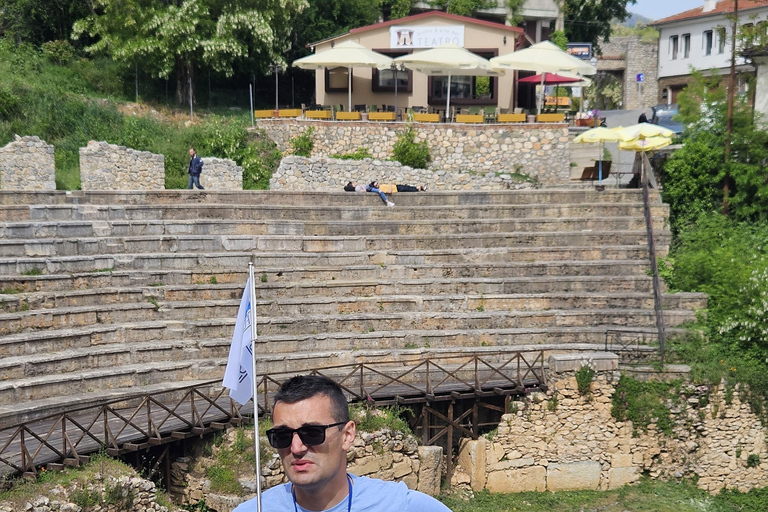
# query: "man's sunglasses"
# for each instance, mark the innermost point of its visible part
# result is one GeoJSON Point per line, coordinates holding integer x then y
{"type": "Point", "coordinates": [310, 435]}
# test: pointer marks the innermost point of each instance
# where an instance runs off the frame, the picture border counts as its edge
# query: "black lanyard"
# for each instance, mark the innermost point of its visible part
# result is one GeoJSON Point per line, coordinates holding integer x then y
{"type": "Point", "coordinates": [349, 499]}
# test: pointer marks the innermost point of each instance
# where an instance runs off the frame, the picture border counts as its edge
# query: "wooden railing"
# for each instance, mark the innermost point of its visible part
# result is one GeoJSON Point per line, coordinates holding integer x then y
{"type": "Point", "coordinates": [138, 422]}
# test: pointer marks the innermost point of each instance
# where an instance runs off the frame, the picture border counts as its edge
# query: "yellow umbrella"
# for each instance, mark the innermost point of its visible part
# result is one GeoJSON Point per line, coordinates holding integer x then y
{"type": "Point", "coordinates": [599, 135]}
{"type": "Point", "coordinates": [645, 144]}
{"type": "Point", "coordinates": [644, 131]}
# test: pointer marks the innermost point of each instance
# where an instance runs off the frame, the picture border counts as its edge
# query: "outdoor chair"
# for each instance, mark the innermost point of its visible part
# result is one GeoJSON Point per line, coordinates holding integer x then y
{"type": "Point", "coordinates": [373, 108]}
{"type": "Point", "coordinates": [359, 108]}
{"type": "Point", "coordinates": [473, 111]}
{"type": "Point", "coordinates": [490, 114]}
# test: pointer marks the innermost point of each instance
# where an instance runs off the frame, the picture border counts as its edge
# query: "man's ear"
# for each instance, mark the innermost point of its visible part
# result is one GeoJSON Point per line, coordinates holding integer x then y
{"type": "Point", "coordinates": [349, 431]}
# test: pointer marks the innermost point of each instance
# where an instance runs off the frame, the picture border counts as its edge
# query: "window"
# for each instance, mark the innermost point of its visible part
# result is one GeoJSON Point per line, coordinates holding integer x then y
{"type": "Point", "coordinates": [720, 39]}
{"type": "Point", "coordinates": [465, 90]}
{"type": "Point", "coordinates": [336, 79]}
{"type": "Point", "coordinates": [686, 45]}
{"type": "Point", "coordinates": [383, 80]}
{"type": "Point", "coordinates": [707, 39]}
{"type": "Point", "coordinates": [673, 47]}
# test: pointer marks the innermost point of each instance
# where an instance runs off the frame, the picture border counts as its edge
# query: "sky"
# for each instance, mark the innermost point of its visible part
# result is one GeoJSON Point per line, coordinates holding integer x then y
{"type": "Point", "coordinates": [657, 9]}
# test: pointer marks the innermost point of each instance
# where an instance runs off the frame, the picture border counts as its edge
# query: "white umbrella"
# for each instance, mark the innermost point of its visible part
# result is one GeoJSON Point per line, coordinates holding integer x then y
{"type": "Point", "coordinates": [347, 54]}
{"type": "Point", "coordinates": [448, 60]}
{"type": "Point", "coordinates": [543, 57]}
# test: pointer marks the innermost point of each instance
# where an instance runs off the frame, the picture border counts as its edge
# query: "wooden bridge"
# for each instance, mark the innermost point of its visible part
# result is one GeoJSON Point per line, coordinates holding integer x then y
{"type": "Point", "coordinates": [149, 420]}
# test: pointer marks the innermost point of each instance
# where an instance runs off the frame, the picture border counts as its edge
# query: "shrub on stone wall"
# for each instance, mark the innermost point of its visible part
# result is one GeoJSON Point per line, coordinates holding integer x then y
{"type": "Point", "coordinates": [409, 152]}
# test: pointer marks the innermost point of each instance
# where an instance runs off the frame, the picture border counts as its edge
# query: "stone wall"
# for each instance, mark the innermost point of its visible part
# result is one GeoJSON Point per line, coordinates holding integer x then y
{"type": "Point", "coordinates": [383, 454]}
{"type": "Point", "coordinates": [106, 166]}
{"type": "Point", "coordinates": [318, 173]}
{"type": "Point", "coordinates": [221, 174]}
{"type": "Point", "coordinates": [538, 150]}
{"type": "Point", "coordinates": [639, 57]}
{"type": "Point", "coordinates": [27, 163]}
{"type": "Point", "coordinates": [575, 443]}
{"type": "Point", "coordinates": [137, 494]}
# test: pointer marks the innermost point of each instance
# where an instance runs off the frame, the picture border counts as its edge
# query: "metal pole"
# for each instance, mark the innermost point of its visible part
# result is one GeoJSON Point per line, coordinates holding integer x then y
{"type": "Point", "coordinates": [136, 75]}
{"type": "Point", "coordinates": [250, 98]}
{"type": "Point", "coordinates": [729, 118]}
{"type": "Point", "coordinates": [256, 447]}
{"type": "Point", "coordinates": [276, 70]}
{"type": "Point", "coordinates": [394, 74]}
{"type": "Point", "coordinates": [191, 112]}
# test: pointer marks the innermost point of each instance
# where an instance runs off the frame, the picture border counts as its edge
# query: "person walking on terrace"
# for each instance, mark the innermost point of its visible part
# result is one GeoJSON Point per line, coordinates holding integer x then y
{"type": "Point", "coordinates": [312, 433]}
{"type": "Point", "coordinates": [195, 169]}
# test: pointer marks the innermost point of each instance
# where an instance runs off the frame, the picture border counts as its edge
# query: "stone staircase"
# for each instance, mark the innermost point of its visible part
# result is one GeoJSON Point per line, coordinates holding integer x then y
{"type": "Point", "coordinates": [106, 294]}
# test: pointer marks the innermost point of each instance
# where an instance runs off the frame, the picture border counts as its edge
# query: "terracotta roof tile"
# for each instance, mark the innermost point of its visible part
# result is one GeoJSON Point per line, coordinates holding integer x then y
{"type": "Point", "coordinates": [724, 6]}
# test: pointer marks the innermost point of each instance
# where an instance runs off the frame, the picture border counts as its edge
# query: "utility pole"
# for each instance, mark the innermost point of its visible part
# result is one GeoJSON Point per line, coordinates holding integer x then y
{"type": "Point", "coordinates": [731, 94]}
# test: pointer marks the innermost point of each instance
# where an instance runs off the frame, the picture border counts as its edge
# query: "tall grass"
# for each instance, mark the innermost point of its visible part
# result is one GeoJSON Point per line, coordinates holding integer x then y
{"type": "Point", "coordinates": [69, 105]}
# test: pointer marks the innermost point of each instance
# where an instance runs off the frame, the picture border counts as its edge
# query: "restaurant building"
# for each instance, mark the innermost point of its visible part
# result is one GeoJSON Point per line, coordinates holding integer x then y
{"type": "Point", "coordinates": [413, 89]}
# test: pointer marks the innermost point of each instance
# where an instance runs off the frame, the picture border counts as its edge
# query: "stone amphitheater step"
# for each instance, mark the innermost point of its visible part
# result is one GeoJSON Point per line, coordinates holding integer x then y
{"type": "Point", "coordinates": [336, 275]}
{"type": "Point", "coordinates": [321, 198]}
{"type": "Point", "coordinates": [214, 336]}
{"type": "Point", "coordinates": [304, 315]}
{"type": "Point", "coordinates": [543, 261]}
{"type": "Point", "coordinates": [23, 301]}
{"type": "Point", "coordinates": [234, 244]}
{"type": "Point", "coordinates": [578, 217]}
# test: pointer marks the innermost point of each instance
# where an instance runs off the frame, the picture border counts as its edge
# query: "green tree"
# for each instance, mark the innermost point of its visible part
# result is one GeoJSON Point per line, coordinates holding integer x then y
{"type": "Point", "coordinates": [176, 36]}
{"type": "Point", "coordinates": [462, 7]}
{"type": "Point", "coordinates": [693, 177]}
{"type": "Point", "coordinates": [515, 10]}
{"type": "Point", "coordinates": [559, 38]}
{"type": "Point", "coordinates": [589, 21]}
{"type": "Point", "coordinates": [33, 21]}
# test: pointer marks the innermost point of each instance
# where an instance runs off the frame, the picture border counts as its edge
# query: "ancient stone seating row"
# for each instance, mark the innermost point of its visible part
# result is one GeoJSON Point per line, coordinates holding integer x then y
{"type": "Point", "coordinates": [109, 293]}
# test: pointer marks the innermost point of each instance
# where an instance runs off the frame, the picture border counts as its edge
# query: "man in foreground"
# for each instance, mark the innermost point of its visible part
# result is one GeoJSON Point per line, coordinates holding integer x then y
{"type": "Point", "coordinates": [312, 433]}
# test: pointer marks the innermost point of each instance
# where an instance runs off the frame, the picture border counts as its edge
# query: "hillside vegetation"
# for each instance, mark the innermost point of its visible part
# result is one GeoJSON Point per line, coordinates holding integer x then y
{"type": "Point", "coordinates": [67, 100]}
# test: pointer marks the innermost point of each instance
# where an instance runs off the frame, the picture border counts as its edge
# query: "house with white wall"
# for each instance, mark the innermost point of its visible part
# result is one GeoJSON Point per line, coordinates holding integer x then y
{"type": "Point", "coordinates": [701, 39]}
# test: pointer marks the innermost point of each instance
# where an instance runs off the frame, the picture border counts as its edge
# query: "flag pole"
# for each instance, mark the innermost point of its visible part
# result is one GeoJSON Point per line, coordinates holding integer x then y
{"type": "Point", "coordinates": [256, 447]}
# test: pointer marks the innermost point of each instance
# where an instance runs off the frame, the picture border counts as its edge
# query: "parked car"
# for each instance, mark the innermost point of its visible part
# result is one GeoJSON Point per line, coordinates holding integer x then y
{"type": "Point", "coordinates": [663, 115]}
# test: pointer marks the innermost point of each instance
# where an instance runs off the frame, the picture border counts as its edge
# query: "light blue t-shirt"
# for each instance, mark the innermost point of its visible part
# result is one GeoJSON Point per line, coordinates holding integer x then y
{"type": "Point", "coordinates": [368, 495]}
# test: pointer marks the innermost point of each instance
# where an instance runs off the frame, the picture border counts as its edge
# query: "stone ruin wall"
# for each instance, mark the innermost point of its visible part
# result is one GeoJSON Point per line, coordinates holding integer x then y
{"type": "Point", "coordinates": [579, 445]}
{"type": "Point", "coordinates": [383, 454]}
{"type": "Point", "coordinates": [319, 173]}
{"type": "Point", "coordinates": [540, 151]}
{"type": "Point", "coordinates": [221, 174]}
{"type": "Point", "coordinates": [106, 166]}
{"type": "Point", "coordinates": [639, 57]}
{"type": "Point", "coordinates": [27, 163]}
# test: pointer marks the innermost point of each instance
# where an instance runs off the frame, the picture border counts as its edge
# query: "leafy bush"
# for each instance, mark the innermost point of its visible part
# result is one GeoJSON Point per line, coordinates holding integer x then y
{"type": "Point", "coordinates": [584, 377]}
{"type": "Point", "coordinates": [10, 104]}
{"type": "Point", "coordinates": [303, 144]}
{"type": "Point", "coordinates": [358, 154]}
{"type": "Point", "coordinates": [370, 419]}
{"type": "Point", "coordinates": [408, 152]}
{"type": "Point", "coordinates": [641, 402]}
{"type": "Point", "coordinates": [59, 52]}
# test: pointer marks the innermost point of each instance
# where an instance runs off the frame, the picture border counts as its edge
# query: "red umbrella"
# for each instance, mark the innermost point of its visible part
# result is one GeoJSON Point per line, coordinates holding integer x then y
{"type": "Point", "coordinates": [549, 79]}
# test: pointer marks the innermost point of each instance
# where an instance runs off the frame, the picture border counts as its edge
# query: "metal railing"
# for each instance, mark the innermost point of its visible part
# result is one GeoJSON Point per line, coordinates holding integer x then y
{"type": "Point", "coordinates": [133, 423]}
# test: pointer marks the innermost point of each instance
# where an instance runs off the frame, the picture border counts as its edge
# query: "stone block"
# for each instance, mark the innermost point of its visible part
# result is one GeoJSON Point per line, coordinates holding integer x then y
{"type": "Point", "coordinates": [573, 476]}
{"type": "Point", "coordinates": [618, 477]}
{"type": "Point", "coordinates": [621, 460]}
{"type": "Point", "coordinates": [431, 458]}
{"type": "Point", "coordinates": [518, 480]}
{"type": "Point", "coordinates": [599, 361]}
{"type": "Point", "coordinates": [472, 457]}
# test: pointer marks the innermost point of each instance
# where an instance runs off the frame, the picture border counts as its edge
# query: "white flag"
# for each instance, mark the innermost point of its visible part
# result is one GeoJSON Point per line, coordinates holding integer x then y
{"type": "Point", "coordinates": [238, 375]}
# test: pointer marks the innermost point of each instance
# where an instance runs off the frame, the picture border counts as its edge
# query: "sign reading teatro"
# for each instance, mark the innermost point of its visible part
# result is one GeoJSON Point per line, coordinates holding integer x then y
{"type": "Point", "coordinates": [425, 37]}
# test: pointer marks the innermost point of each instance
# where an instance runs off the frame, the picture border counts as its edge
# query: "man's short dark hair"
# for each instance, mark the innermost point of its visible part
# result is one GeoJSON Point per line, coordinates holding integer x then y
{"type": "Point", "coordinates": [303, 387]}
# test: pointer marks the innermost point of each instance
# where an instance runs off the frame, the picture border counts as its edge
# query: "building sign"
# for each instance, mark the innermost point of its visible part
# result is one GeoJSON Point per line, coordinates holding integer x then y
{"type": "Point", "coordinates": [640, 77]}
{"type": "Point", "coordinates": [580, 50]}
{"type": "Point", "coordinates": [425, 37]}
